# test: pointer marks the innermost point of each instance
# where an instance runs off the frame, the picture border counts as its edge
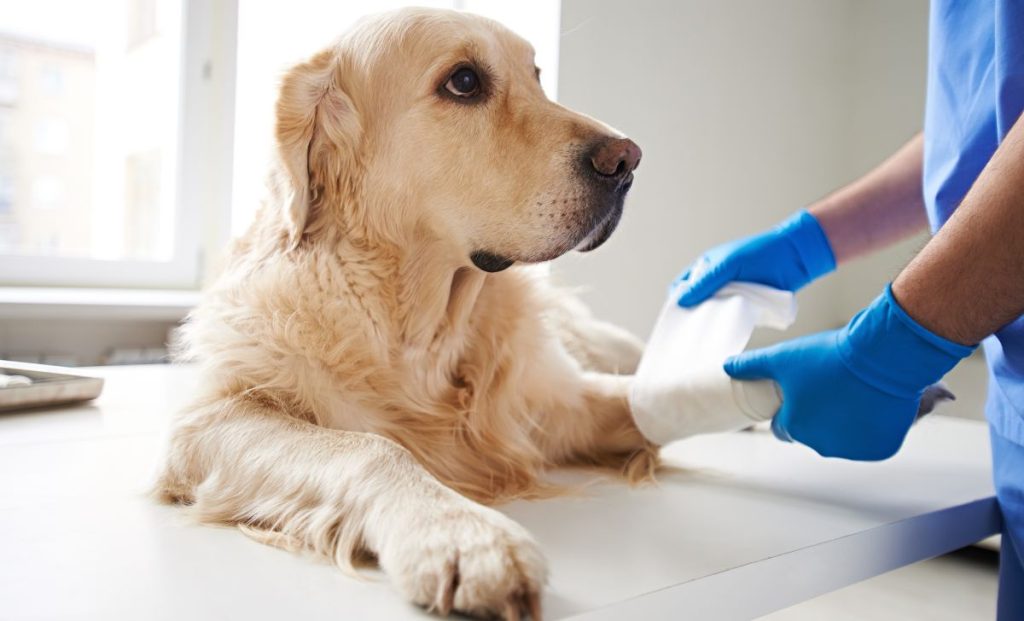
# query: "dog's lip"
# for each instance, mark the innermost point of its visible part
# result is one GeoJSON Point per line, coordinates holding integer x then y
{"type": "Point", "coordinates": [585, 244]}
{"type": "Point", "coordinates": [627, 183]}
{"type": "Point", "coordinates": [607, 224]}
{"type": "Point", "coordinates": [604, 229]}
{"type": "Point", "coordinates": [490, 262]}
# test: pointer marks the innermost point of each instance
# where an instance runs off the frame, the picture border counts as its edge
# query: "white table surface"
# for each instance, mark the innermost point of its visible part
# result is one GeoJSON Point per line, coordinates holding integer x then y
{"type": "Point", "coordinates": [744, 525]}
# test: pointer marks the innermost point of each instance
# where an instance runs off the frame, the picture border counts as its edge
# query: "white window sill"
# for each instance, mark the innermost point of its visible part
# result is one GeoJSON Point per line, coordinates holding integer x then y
{"type": "Point", "coordinates": [73, 303]}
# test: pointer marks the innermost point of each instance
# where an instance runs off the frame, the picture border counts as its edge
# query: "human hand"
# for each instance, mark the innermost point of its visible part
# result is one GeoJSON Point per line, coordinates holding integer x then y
{"type": "Point", "coordinates": [853, 392]}
{"type": "Point", "coordinates": [788, 257]}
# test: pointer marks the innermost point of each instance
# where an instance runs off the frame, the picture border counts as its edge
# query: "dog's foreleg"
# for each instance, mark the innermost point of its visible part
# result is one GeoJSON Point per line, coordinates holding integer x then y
{"type": "Point", "coordinates": [602, 431]}
{"type": "Point", "coordinates": [597, 345]}
{"type": "Point", "coordinates": [339, 493]}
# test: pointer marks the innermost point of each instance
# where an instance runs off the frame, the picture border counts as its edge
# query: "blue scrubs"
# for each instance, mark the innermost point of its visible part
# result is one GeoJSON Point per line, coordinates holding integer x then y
{"type": "Point", "coordinates": [975, 95]}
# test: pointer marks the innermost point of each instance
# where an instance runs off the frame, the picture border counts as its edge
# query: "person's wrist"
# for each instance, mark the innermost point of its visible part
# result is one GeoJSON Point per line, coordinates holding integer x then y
{"type": "Point", "coordinates": [804, 233]}
{"type": "Point", "coordinates": [885, 347]}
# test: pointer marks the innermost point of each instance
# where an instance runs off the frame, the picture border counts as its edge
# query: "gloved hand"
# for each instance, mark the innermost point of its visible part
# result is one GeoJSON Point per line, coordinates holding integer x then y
{"type": "Point", "coordinates": [787, 257]}
{"type": "Point", "coordinates": [853, 392]}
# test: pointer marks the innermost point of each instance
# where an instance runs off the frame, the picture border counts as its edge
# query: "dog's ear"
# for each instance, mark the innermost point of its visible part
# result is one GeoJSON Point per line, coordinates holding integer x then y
{"type": "Point", "coordinates": [317, 132]}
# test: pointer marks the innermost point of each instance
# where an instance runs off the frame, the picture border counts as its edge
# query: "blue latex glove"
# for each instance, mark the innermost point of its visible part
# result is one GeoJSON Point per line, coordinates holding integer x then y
{"type": "Point", "coordinates": [787, 257]}
{"type": "Point", "coordinates": [853, 392]}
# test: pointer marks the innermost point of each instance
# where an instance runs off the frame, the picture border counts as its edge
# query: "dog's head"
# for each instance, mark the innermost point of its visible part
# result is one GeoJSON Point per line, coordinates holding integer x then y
{"type": "Point", "coordinates": [435, 121]}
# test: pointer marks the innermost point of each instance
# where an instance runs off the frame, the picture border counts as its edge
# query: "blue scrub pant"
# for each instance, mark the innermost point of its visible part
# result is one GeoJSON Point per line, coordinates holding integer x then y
{"type": "Point", "coordinates": [1008, 471]}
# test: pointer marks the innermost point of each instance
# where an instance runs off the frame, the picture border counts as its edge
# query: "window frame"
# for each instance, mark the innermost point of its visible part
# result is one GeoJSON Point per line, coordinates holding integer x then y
{"type": "Point", "coordinates": [203, 182]}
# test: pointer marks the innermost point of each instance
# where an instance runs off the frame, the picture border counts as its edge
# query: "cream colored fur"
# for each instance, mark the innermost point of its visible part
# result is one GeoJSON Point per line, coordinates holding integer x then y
{"type": "Point", "coordinates": [364, 386]}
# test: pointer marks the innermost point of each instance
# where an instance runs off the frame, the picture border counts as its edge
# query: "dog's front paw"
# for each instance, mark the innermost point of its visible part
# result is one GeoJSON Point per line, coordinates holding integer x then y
{"type": "Point", "coordinates": [470, 559]}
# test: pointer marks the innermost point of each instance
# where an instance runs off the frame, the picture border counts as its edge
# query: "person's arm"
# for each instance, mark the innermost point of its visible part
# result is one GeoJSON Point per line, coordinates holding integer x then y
{"type": "Point", "coordinates": [969, 280]}
{"type": "Point", "coordinates": [879, 209]}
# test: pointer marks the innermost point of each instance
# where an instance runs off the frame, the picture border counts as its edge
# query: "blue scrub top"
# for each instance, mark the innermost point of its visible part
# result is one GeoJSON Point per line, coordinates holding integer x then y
{"type": "Point", "coordinates": [975, 94]}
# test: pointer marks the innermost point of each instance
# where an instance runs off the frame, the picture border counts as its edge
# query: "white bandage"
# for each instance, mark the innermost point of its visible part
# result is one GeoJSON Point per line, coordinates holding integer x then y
{"type": "Point", "coordinates": [680, 388]}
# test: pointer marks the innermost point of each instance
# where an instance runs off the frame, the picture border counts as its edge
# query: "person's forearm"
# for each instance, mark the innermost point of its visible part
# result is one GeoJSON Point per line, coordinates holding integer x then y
{"type": "Point", "coordinates": [969, 280]}
{"type": "Point", "coordinates": [879, 209]}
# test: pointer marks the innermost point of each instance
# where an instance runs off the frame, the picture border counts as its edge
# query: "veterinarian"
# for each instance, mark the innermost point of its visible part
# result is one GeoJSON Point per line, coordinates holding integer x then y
{"type": "Point", "coordinates": [854, 392]}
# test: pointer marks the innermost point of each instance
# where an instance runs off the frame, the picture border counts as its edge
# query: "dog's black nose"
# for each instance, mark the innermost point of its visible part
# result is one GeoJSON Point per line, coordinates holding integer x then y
{"type": "Point", "coordinates": [616, 157]}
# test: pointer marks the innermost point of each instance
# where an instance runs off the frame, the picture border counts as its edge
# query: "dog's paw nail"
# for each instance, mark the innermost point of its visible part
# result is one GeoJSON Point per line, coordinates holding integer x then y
{"type": "Point", "coordinates": [447, 587]}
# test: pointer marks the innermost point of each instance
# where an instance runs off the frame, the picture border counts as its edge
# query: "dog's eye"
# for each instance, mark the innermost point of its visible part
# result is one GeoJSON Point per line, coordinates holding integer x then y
{"type": "Point", "coordinates": [463, 83]}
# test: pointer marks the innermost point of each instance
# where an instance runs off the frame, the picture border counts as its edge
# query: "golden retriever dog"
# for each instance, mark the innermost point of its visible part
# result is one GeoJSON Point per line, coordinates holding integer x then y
{"type": "Point", "coordinates": [377, 363]}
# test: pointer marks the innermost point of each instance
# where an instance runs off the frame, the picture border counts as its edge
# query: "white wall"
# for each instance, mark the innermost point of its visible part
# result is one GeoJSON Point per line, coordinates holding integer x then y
{"type": "Point", "coordinates": [746, 111]}
{"type": "Point", "coordinates": [888, 55]}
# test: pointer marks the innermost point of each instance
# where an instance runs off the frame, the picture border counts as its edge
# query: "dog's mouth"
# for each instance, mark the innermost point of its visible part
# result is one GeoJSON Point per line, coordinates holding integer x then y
{"type": "Point", "coordinates": [491, 262]}
{"type": "Point", "coordinates": [599, 231]}
{"type": "Point", "coordinates": [609, 221]}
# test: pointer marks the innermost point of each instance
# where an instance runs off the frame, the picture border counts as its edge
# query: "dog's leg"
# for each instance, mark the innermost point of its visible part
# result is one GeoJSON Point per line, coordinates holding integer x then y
{"type": "Point", "coordinates": [603, 347]}
{"type": "Point", "coordinates": [339, 493]}
{"type": "Point", "coordinates": [599, 429]}
{"type": "Point", "coordinates": [597, 345]}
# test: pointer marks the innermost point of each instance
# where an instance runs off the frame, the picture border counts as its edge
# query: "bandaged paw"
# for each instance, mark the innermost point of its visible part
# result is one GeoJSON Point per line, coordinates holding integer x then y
{"type": "Point", "coordinates": [680, 388]}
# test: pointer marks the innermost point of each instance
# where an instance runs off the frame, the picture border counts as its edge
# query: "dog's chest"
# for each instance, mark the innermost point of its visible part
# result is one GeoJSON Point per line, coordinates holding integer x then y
{"type": "Point", "coordinates": [455, 372]}
{"type": "Point", "coordinates": [343, 412]}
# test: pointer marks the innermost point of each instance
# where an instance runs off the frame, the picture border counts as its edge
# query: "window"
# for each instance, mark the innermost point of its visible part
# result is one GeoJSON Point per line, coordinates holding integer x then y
{"type": "Point", "coordinates": [51, 80]}
{"type": "Point", "coordinates": [47, 192]}
{"type": "Point", "coordinates": [6, 196]}
{"type": "Point", "coordinates": [142, 200]}
{"type": "Point", "coordinates": [142, 22]}
{"type": "Point", "coordinates": [91, 143]}
{"type": "Point", "coordinates": [51, 136]}
{"type": "Point", "coordinates": [5, 131]}
{"type": "Point", "coordinates": [8, 74]}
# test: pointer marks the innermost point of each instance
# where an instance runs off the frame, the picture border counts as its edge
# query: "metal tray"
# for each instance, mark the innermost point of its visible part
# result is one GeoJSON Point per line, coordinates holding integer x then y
{"type": "Point", "coordinates": [50, 386]}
